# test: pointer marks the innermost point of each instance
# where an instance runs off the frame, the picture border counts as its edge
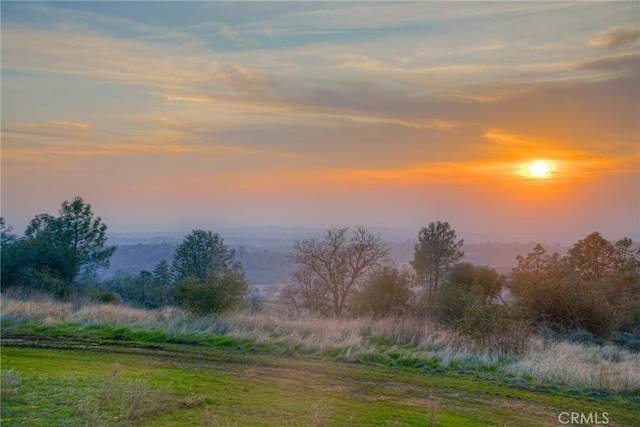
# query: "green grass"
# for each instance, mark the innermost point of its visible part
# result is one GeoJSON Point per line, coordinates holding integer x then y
{"type": "Point", "coordinates": [104, 334]}
{"type": "Point", "coordinates": [102, 375]}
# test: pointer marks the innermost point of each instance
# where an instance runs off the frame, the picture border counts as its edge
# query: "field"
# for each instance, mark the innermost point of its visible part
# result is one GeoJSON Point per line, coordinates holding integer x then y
{"type": "Point", "coordinates": [107, 365]}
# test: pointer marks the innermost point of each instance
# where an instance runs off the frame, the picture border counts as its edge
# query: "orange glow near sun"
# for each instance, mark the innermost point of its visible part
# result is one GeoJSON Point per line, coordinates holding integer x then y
{"type": "Point", "coordinates": [538, 169]}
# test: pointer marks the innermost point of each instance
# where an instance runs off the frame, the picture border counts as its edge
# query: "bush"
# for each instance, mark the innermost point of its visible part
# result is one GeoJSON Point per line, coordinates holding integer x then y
{"type": "Point", "coordinates": [42, 281]}
{"type": "Point", "coordinates": [627, 313]}
{"type": "Point", "coordinates": [387, 292]}
{"type": "Point", "coordinates": [468, 285]}
{"type": "Point", "coordinates": [451, 303]}
{"type": "Point", "coordinates": [595, 287]}
{"type": "Point", "coordinates": [217, 294]}
{"type": "Point", "coordinates": [630, 340]}
{"type": "Point", "coordinates": [494, 328]}
{"type": "Point", "coordinates": [566, 304]}
{"type": "Point", "coordinates": [582, 336]}
{"type": "Point", "coordinates": [103, 295]}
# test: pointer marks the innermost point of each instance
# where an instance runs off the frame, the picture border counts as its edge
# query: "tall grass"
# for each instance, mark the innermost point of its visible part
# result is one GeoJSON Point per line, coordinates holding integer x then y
{"type": "Point", "coordinates": [403, 339]}
{"type": "Point", "coordinates": [588, 367]}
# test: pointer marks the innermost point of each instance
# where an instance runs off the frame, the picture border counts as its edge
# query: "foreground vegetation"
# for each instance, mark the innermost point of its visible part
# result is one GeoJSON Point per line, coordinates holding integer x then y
{"type": "Point", "coordinates": [178, 385]}
{"type": "Point", "coordinates": [392, 341]}
{"type": "Point", "coordinates": [359, 331]}
{"type": "Point", "coordinates": [114, 365]}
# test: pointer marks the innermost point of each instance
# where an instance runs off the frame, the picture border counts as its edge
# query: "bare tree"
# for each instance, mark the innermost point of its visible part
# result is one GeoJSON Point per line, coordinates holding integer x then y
{"type": "Point", "coordinates": [333, 265]}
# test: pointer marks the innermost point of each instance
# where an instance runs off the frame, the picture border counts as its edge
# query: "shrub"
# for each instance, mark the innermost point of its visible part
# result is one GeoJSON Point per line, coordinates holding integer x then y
{"type": "Point", "coordinates": [387, 292]}
{"type": "Point", "coordinates": [565, 304]}
{"type": "Point", "coordinates": [103, 295]}
{"type": "Point", "coordinates": [451, 302]}
{"type": "Point", "coordinates": [494, 328]}
{"type": "Point", "coordinates": [42, 281]}
{"type": "Point", "coordinates": [630, 340]}
{"type": "Point", "coordinates": [468, 285]}
{"type": "Point", "coordinates": [583, 336]}
{"type": "Point", "coordinates": [217, 294]}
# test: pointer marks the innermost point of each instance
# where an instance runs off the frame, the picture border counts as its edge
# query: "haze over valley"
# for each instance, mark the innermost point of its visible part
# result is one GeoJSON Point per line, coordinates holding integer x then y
{"type": "Point", "coordinates": [265, 252]}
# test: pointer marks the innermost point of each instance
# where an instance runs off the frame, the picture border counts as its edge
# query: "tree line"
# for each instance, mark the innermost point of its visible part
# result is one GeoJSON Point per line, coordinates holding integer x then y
{"type": "Point", "coordinates": [59, 256]}
{"type": "Point", "coordinates": [594, 287]}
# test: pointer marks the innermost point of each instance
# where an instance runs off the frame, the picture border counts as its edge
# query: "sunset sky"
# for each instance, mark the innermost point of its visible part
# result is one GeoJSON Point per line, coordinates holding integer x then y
{"type": "Point", "coordinates": [177, 115]}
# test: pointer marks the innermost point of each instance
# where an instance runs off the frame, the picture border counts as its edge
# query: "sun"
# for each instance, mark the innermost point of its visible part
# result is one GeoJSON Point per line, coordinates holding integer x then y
{"type": "Point", "coordinates": [539, 169]}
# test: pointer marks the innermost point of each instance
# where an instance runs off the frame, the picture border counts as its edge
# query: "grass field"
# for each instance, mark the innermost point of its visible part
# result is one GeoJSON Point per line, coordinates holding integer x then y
{"type": "Point", "coordinates": [73, 372]}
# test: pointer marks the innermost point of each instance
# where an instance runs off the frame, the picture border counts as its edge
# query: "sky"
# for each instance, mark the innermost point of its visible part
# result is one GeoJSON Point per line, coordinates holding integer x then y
{"type": "Point", "coordinates": [169, 116]}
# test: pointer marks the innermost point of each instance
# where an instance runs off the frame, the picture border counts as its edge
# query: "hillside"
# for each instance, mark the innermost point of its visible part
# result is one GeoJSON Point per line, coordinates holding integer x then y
{"type": "Point", "coordinates": [269, 263]}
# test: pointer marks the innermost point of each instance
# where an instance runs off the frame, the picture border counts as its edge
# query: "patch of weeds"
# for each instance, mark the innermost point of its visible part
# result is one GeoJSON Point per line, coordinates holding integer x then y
{"type": "Point", "coordinates": [248, 376]}
{"type": "Point", "coordinates": [319, 415]}
{"type": "Point", "coordinates": [381, 343]}
{"type": "Point", "coordinates": [519, 383]}
{"type": "Point", "coordinates": [211, 419]}
{"type": "Point", "coordinates": [291, 349]}
{"type": "Point", "coordinates": [488, 368]}
{"type": "Point", "coordinates": [86, 409]}
{"type": "Point", "coordinates": [227, 342]}
{"type": "Point", "coordinates": [432, 363]}
{"type": "Point", "coordinates": [182, 340]}
{"type": "Point", "coordinates": [136, 398]}
{"type": "Point", "coordinates": [116, 369]}
{"type": "Point", "coordinates": [9, 382]}
{"type": "Point", "coordinates": [152, 336]}
{"type": "Point", "coordinates": [192, 400]}
{"type": "Point", "coordinates": [600, 393]}
{"type": "Point", "coordinates": [374, 359]}
{"type": "Point", "coordinates": [412, 362]}
{"type": "Point", "coordinates": [333, 352]}
{"type": "Point", "coordinates": [432, 417]}
{"type": "Point", "coordinates": [121, 400]}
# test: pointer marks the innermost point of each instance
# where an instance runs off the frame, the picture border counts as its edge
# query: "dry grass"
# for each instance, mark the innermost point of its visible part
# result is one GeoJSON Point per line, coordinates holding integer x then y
{"type": "Point", "coordinates": [9, 382]}
{"type": "Point", "coordinates": [211, 419]}
{"type": "Point", "coordinates": [319, 416]}
{"type": "Point", "coordinates": [50, 312]}
{"type": "Point", "coordinates": [570, 364]}
{"type": "Point", "coordinates": [133, 399]}
{"type": "Point", "coordinates": [590, 367]}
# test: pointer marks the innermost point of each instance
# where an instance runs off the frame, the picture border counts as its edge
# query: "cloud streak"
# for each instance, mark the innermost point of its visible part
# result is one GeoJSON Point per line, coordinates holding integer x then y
{"type": "Point", "coordinates": [615, 37]}
{"type": "Point", "coordinates": [48, 128]}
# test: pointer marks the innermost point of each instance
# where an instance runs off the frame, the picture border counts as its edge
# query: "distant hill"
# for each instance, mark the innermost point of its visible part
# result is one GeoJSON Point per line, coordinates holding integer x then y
{"type": "Point", "coordinates": [269, 263]}
{"type": "Point", "coordinates": [138, 257]}
{"type": "Point", "coordinates": [261, 266]}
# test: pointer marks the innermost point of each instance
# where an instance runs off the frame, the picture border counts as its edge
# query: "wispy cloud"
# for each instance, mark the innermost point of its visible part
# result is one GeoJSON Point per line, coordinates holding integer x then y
{"type": "Point", "coordinates": [33, 142]}
{"type": "Point", "coordinates": [627, 62]}
{"type": "Point", "coordinates": [619, 36]}
{"type": "Point", "coordinates": [313, 98]}
{"type": "Point", "coordinates": [48, 128]}
{"type": "Point", "coordinates": [129, 62]}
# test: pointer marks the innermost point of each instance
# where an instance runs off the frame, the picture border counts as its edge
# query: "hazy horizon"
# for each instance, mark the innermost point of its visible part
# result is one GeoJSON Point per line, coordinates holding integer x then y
{"type": "Point", "coordinates": [176, 116]}
{"type": "Point", "coordinates": [289, 234]}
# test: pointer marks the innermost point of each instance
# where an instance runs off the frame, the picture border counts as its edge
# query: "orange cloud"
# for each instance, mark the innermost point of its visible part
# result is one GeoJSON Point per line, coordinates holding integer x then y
{"type": "Point", "coordinates": [55, 142]}
{"type": "Point", "coordinates": [569, 164]}
{"type": "Point", "coordinates": [47, 128]}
